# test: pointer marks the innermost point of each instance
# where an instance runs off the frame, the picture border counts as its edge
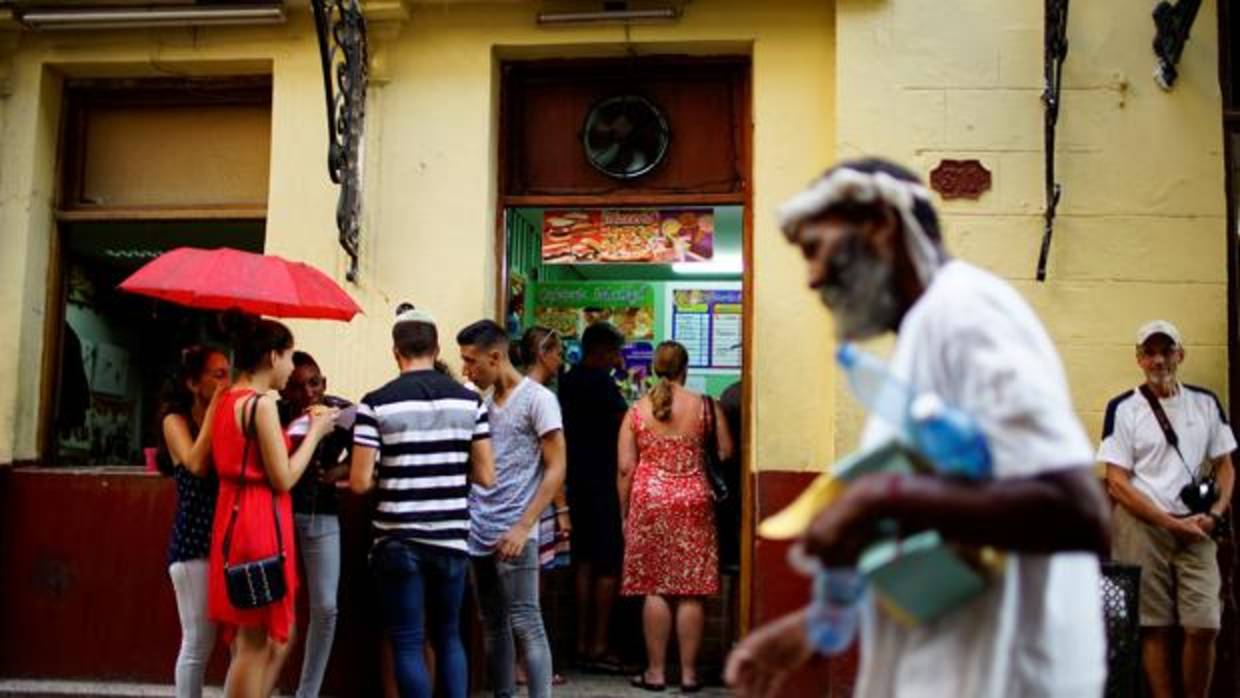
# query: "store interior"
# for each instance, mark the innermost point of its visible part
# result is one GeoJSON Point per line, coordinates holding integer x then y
{"type": "Point", "coordinates": [655, 273]}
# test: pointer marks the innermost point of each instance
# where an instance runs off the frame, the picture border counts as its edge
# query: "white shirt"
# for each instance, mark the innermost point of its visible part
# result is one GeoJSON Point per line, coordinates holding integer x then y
{"type": "Point", "coordinates": [1038, 631]}
{"type": "Point", "coordinates": [1133, 440]}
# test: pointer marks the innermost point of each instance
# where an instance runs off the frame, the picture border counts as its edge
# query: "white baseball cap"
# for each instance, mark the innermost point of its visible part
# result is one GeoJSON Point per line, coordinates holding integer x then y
{"type": "Point", "coordinates": [410, 314]}
{"type": "Point", "coordinates": [1150, 329]}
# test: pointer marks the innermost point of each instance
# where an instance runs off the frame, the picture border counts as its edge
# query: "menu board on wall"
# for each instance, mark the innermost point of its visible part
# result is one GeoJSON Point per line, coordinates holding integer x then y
{"type": "Point", "coordinates": [628, 236]}
{"type": "Point", "coordinates": [571, 306]}
{"type": "Point", "coordinates": [706, 319]}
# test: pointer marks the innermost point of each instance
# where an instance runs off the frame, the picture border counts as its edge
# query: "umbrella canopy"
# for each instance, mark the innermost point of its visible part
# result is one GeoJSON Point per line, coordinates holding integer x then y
{"type": "Point", "coordinates": [225, 278]}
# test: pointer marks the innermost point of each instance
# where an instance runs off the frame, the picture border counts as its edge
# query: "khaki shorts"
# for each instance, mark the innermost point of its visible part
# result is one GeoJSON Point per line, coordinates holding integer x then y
{"type": "Point", "coordinates": [1179, 582]}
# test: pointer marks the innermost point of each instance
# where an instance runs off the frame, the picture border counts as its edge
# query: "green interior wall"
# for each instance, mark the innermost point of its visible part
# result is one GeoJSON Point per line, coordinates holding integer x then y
{"type": "Point", "coordinates": [525, 259]}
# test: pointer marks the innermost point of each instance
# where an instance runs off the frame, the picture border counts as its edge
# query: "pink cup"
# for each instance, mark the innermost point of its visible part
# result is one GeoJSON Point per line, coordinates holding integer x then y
{"type": "Point", "coordinates": [151, 465]}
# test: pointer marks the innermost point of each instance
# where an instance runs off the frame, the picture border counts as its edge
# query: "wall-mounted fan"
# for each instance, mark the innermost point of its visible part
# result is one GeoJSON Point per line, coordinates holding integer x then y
{"type": "Point", "coordinates": [625, 136]}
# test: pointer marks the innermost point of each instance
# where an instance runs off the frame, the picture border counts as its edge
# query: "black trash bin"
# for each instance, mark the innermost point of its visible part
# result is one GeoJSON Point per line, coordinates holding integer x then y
{"type": "Point", "coordinates": [1121, 595]}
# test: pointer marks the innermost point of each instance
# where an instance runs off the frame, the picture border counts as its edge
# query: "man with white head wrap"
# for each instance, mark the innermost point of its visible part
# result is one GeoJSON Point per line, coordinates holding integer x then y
{"type": "Point", "coordinates": [870, 237]}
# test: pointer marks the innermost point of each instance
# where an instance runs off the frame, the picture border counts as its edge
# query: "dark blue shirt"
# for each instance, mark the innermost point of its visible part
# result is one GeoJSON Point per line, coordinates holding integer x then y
{"type": "Point", "coordinates": [191, 528]}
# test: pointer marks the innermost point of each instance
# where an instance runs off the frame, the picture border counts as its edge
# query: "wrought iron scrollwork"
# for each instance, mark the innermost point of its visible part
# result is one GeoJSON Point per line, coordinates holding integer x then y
{"type": "Point", "coordinates": [1172, 24]}
{"type": "Point", "coordinates": [1055, 51]}
{"type": "Point", "coordinates": [341, 29]}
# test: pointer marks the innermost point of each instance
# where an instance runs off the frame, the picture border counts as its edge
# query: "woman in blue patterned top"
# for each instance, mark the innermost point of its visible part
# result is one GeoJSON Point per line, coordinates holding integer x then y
{"type": "Point", "coordinates": [185, 415]}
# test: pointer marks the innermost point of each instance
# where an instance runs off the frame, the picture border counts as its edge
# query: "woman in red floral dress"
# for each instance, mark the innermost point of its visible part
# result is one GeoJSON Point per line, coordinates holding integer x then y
{"type": "Point", "coordinates": [263, 353]}
{"type": "Point", "coordinates": [670, 548]}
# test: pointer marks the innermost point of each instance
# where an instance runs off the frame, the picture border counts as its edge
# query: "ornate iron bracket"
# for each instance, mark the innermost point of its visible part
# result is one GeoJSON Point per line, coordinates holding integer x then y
{"type": "Point", "coordinates": [341, 29]}
{"type": "Point", "coordinates": [1055, 51]}
{"type": "Point", "coordinates": [1171, 24]}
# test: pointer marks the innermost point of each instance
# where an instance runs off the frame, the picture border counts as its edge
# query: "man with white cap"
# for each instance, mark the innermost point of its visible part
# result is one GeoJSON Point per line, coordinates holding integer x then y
{"type": "Point", "coordinates": [431, 437]}
{"type": "Point", "coordinates": [1167, 448]}
{"type": "Point", "coordinates": [871, 241]}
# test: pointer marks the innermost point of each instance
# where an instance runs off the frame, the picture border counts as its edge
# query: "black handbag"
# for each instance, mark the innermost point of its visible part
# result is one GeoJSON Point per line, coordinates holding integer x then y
{"type": "Point", "coordinates": [256, 583]}
{"type": "Point", "coordinates": [714, 466]}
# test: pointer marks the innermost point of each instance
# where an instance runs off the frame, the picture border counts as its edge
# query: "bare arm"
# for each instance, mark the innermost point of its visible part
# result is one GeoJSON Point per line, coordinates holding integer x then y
{"type": "Point", "coordinates": [482, 462]}
{"type": "Point", "coordinates": [194, 455]}
{"type": "Point", "coordinates": [723, 435]}
{"type": "Point", "coordinates": [284, 470]}
{"type": "Point", "coordinates": [626, 463]}
{"type": "Point", "coordinates": [510, 544]}
{"type": "Point", "coordinates": [362, 469]}
{"type": "Point", "coordinates": [1225, 471]}
{"type": "Point", "coordinates": [1121, 489]}
{"type": "Point", "coordinates": [1067, 505]}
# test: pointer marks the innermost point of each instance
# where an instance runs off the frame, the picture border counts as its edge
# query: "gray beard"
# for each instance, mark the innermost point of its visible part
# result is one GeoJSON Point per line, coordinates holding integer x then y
{"type": "Point", "coordinates": [863, 303]}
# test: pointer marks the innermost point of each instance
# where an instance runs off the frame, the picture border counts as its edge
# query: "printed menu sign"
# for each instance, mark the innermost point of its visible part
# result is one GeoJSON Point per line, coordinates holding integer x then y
{"type": "Point", "coordinates": [708, 323]}
{"type": "Point", "coordinates": [571, 306]}
{"type": "Point", "coordinates": [628, 236]}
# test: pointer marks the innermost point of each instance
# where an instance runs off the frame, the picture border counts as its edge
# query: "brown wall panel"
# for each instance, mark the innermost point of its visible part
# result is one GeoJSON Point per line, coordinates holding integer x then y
{"type": "Point", "coordinates": [85, 593]}
{"type": "Point", "coordinates": [778, 590]}
{"type": "Point", "coordinates": [546, 107]}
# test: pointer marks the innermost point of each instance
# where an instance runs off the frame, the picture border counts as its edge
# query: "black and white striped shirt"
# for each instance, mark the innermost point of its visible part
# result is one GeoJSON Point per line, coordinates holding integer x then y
{"type": "Point", "coordinates": [423, 424]}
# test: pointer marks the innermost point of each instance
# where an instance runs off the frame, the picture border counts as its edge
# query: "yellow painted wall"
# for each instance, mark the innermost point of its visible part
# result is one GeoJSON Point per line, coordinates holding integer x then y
{"type": "Point", "coordinates": [429, 224]}
{"type": "Point", "coordinates": [1141, 230]}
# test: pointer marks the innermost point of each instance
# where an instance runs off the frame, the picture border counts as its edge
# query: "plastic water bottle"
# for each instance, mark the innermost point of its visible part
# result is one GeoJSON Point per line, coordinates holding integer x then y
{"type": "Point", "coordinates": [835, 614]}
{"type": "Point", "coordinates": [946, 436]}
{"type": "Point", "coordinates": [949, 438]}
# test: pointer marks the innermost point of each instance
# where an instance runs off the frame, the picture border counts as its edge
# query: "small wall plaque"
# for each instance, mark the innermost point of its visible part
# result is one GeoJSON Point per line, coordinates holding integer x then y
{"type": "Point", "coordinates": [960, 179]}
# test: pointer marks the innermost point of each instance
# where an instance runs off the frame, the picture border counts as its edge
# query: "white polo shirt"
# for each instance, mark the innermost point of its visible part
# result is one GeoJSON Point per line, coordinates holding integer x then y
{"type": "Point", "coordinates": [1133, 440]}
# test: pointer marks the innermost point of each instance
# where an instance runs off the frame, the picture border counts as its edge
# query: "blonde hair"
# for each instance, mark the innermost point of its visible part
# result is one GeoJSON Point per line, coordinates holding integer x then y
{"type": "Point", "coordinates": [671, 360]}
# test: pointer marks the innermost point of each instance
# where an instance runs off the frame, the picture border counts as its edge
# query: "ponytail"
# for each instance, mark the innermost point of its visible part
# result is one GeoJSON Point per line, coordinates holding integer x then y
{"type": "Point", "coordinates": [661, 400]}
{"type": "Point", "coordinates": [671, 361]}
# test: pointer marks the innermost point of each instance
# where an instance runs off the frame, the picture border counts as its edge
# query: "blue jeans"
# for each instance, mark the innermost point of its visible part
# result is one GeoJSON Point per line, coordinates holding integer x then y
{"type": "Point", "coordinates": [318, 541]}
{"type": "Point", "coordinates": [413, 578]}
{"type": "Point", "coordinates": [508, 598]}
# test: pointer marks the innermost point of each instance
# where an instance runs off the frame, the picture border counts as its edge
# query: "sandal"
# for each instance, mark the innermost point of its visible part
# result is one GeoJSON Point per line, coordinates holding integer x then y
{"type": "Point", "coordinates": [639, 681]}
{"type": "Point", "coordinates": [690, 688]}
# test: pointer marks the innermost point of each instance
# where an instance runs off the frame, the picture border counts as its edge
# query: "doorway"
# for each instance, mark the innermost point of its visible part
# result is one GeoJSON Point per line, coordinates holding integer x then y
{"type": "Point", "coordinates": [625, 200]}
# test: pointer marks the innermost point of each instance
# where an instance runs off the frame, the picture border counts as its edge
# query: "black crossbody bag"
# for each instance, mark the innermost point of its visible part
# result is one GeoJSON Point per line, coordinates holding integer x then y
{"type": "Point", "coordinates": [1201, 493]}
{"type": "Point", "coordinates": [714, 467]}
{"type": "Point", "coordinates": [256, 583]}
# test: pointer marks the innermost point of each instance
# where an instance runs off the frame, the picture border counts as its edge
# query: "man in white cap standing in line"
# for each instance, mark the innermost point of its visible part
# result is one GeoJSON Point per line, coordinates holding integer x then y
{"type": "Point", "coordinates": [1167, 448]}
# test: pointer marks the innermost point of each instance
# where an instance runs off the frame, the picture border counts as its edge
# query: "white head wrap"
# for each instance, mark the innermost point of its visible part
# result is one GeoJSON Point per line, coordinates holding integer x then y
{"type": "Point", "coordinates": [845, 184]}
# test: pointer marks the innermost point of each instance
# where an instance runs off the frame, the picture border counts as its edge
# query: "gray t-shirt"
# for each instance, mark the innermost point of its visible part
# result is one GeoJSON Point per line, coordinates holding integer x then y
{"type": "Point", "coordinates": [517, 427]}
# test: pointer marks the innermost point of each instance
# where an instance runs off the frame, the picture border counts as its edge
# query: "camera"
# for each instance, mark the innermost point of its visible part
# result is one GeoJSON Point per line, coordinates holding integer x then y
{"type": "Point", "coordinates": [1200, 494]}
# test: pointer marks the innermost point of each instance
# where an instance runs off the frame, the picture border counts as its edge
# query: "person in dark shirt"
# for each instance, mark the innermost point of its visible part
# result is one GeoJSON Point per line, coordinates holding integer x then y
{"type": "Point", "coordinates": [315, 513]}
{"type": "Point", "coordinates": [728, 512]}
{"type": "Point", "coordinates": [593, 409]}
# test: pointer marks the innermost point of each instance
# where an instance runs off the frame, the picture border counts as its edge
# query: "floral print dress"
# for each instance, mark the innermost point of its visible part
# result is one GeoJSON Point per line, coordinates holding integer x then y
{"type": "Point", "coordinates": [670, 539]}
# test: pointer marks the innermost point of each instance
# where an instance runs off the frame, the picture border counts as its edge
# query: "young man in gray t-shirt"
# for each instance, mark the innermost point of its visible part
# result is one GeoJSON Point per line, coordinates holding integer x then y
{"type": "Point", "coordinates": [528, 440]}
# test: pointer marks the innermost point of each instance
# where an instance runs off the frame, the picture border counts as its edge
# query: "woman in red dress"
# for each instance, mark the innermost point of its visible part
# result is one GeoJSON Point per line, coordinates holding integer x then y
{"type": "Point", "coordinates": [670, 547]}
{"type": "Point", "coordinates": [263, 351]}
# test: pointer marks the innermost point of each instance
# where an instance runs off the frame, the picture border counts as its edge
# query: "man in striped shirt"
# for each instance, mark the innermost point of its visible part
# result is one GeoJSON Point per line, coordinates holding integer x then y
{"type": "Point", "coordinates": [431, 437]}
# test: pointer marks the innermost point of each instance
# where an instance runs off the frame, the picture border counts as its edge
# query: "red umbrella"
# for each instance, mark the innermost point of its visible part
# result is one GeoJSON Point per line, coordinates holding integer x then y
{"type": "Point", "coordinates": [225, 278]}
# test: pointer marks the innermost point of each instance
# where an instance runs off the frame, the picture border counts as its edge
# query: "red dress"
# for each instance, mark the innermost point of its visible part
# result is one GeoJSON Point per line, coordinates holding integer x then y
{"type": "Point", "coordinates": [254, 535]}
{"type": "Point", "coordinates": [670, 545]}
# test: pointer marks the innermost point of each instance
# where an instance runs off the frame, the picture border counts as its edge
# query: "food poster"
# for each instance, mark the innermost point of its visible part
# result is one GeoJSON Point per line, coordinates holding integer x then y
{"type": "Point", "coordinates": [568, 307]}
{"type": "Point", "coordinates": [707, 321]}
{"type": "Point", "coordinates": [628, 236]}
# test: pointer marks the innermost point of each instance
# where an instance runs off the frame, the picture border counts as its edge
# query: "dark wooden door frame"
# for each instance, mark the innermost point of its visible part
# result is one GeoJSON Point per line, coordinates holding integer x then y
{"type": "Point", "coordinates": [744, 127]}
{"type": "Point", "coordinates": [1226, 672]}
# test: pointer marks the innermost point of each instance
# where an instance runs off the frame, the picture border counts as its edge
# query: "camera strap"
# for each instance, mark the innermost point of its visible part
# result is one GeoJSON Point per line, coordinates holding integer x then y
{"type": "Point", "coordinates": [1165, 423]}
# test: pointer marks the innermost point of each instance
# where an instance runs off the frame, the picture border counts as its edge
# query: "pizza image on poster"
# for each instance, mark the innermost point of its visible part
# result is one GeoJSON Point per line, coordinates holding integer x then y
{"type": "Point", "coordinates": [628, 236]}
